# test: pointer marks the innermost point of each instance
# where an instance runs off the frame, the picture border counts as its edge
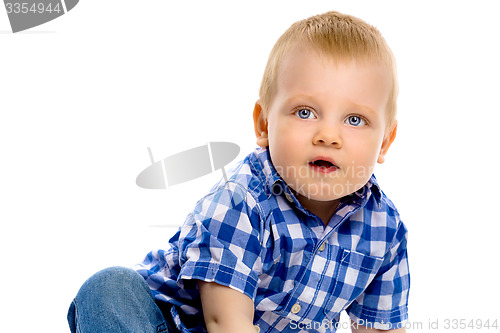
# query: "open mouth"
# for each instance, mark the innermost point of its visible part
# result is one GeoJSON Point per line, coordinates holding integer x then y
{"type": "Point", "coordinates": [323, 165]}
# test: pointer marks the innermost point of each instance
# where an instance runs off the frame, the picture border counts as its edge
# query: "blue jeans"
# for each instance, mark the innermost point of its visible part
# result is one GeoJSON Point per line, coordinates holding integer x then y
{"type": "Point", "coordinates": [117, 299]}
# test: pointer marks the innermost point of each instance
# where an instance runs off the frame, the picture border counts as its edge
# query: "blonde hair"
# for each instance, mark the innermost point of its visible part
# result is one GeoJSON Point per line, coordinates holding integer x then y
{"type": "Point", "coordinates": [339, 36]}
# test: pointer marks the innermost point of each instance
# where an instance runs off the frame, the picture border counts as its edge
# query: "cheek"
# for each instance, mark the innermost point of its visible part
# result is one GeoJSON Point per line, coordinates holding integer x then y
{"type": "Point", "coordinates": [365, 151]}
{"type": "Point", "coordinates": [282, 136]}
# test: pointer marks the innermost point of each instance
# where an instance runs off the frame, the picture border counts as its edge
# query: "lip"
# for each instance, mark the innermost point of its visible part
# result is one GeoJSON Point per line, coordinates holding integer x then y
{"type": "Point", "coordinates": [322, 168]}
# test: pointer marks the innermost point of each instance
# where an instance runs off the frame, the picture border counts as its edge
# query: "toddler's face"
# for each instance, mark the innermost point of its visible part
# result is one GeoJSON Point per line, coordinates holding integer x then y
{"type": "Point", "coordinates": [326, 126]}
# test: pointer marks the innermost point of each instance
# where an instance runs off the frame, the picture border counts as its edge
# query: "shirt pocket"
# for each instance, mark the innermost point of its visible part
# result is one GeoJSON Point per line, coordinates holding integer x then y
{"type": "Point", "coordinates": [354, 275]}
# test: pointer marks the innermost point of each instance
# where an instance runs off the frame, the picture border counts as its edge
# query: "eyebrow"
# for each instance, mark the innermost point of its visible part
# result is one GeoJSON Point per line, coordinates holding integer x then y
{"type": "Point", "coordinates": [364, 107]}
{"type": "Point", "coordinates": [295, 98]}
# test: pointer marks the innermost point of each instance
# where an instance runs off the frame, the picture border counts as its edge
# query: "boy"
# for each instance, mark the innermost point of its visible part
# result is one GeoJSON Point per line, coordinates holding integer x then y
{"type": "Point", "coordinates": [301, 230]}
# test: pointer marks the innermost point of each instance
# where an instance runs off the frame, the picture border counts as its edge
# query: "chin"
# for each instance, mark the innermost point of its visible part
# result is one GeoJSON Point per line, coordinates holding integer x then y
{"type": "Point", "coordinates": [317, 193]}
{"type": "Point", "coordinates": [328, 191]}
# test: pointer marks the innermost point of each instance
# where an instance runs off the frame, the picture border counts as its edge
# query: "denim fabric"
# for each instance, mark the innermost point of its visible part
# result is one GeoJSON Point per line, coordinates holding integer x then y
{"type": "Point", "coordinates": [116, 299]}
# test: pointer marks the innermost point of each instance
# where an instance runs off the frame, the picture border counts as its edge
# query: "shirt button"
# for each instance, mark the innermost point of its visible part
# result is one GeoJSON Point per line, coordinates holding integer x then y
{"type": "Point", "coordinates": [322, 247]}
{"type": "Point", "coordinates": [257, 328]}
{"type": "Point", "coordinates": [296, 308]}
{"type": "Point", "coordinates": [288, 197]}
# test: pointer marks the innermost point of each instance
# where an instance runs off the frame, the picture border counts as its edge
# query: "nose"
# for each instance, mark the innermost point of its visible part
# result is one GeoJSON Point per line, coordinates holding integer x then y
{"type": "Point", "coordinates": [328, 136]}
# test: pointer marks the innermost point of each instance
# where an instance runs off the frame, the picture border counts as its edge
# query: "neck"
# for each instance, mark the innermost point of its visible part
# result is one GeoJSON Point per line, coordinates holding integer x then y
{"type": "Point", "coordinates": [323, 209]}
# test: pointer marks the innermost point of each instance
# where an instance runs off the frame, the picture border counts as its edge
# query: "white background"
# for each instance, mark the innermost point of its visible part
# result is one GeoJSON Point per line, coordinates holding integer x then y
{"type": "Point", "coordinates": [83, 96]}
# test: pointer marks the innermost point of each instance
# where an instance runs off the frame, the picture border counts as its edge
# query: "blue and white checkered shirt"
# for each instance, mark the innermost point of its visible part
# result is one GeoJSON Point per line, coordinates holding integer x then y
{"type": "Point", "coordinates": [252, 234]}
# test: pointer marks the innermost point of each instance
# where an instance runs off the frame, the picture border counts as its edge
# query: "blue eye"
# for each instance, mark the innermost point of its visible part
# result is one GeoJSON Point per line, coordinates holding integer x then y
{"type": "Point", "coordinates": [305, 114]}
{"type": "Point", "coordinates": [355, 121]}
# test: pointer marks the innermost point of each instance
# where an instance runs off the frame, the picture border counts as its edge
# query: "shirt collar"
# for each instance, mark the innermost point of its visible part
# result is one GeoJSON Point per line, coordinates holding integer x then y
{"type": "Point", "coordinates": [371, 188]}
{"type": "Point", "coordinates": [275, 185]}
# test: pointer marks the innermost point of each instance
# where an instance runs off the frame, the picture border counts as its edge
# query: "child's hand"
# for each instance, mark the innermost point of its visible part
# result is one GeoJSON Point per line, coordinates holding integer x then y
{"type": "Point", "coordinates": [226, 310]}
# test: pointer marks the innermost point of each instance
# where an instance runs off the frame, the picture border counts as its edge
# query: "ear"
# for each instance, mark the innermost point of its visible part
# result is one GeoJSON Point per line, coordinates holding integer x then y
{"type": "Point", "coordinates": [260, 125]}
{"type": "Point", "coordinates": [388, 140]}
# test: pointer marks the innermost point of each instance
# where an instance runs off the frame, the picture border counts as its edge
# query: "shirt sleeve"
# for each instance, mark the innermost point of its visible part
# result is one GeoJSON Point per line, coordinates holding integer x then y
{"type": "Point", "coordinates": [219, 241]}
{"type": "Point", "coordinates": [384, 303]}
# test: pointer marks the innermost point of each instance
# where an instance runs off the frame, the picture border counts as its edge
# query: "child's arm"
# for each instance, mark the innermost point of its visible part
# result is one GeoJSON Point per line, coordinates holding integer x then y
{"type": "Point", "coordinates": [225, 309]}
{"type": "Point", "coordinates": [359, 329]}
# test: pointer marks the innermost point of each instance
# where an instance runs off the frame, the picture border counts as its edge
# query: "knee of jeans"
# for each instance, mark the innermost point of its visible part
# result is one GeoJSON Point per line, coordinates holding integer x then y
{"type": "Point", "coordinates": [110, 281]}
{"type": "Point", "coordinates": [71, 317]}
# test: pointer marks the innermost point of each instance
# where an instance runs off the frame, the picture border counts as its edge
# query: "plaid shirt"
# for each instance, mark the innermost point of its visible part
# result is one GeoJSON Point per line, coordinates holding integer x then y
{"type": "Point", "coordinates": [253, 235]}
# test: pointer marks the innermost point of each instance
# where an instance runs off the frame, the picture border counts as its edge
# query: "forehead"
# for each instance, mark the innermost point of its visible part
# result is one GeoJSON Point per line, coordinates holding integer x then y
{"type": "Point", "coordinates": [306, 71]}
